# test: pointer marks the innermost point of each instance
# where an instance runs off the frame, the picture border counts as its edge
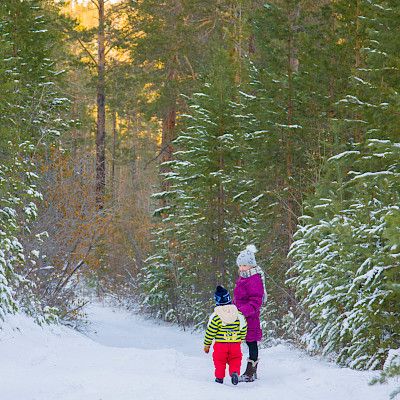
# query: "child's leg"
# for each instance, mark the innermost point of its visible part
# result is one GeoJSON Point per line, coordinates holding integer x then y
{"type": "Point", "coordinates": [235, 358]}
{"type": "Point", "coordinates": [251, 370]}
{"type": "Point", "coordinates": [253, 350]}
{"type": "Point", "coordinates": [220, 357]}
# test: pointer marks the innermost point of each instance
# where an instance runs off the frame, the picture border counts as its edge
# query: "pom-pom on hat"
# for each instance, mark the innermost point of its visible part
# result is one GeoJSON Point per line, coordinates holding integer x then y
{"type": "Point", "coordinates": [247, 257]}
{"type": "Point", "coordinates": [222, 296]}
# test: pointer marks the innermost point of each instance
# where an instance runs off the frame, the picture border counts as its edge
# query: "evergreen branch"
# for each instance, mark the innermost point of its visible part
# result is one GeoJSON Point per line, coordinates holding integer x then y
{"type": "Point", "coordinates": [121, 39]}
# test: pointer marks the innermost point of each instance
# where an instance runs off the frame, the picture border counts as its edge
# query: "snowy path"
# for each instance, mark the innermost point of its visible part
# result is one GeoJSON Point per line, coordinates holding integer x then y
{"type": "Point", "coordinates": [125, 357]}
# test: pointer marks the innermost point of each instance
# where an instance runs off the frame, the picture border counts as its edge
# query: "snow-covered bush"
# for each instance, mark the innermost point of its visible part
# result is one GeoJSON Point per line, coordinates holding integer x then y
{"type": "Point", "coordinates": [391, 369]}
{"type": "Point", "coordinates": [346, 256]}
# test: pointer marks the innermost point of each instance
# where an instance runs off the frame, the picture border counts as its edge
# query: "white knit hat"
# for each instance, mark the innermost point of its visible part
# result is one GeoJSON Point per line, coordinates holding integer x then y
{"type": "Point", "coordinates": [247, 257]}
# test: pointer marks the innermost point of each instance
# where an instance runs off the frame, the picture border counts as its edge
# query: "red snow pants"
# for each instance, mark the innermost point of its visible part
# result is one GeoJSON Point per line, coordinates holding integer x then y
{"type": "Point", "coordinates": [227, 353]}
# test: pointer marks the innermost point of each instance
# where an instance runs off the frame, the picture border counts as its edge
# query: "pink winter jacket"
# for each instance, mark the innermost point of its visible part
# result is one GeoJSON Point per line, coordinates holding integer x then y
{"type": "Point", "coordinates": [248, 298]}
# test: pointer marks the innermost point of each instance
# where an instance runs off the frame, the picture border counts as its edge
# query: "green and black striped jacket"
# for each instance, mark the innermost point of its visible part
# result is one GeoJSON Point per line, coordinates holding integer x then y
{"type": "Point", "coordinates": [225, 333]}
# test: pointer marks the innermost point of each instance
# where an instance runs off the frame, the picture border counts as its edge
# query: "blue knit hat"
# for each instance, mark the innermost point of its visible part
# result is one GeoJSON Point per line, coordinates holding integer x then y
{"type": "Point", "coordinates": [222, 296]}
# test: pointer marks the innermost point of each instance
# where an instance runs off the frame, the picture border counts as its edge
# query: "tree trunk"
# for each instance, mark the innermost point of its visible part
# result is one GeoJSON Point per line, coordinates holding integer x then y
{"type": "Point", "coordinates": [358, 136]}
{"type": "Point", "coordinates": [114, 145]}
{"type": "Point", "coordinates": [168, 129]}
{"type": "Point", "coordinates": [252, 44]}
{"type": "Point", "coordinates": [168, 132]}
{"type": "Point", "coordinates": [221, 224]}
{"type": "Point", "coordinates": [292, 67]}
{"type": "Point", "coordinates": [101, 111]}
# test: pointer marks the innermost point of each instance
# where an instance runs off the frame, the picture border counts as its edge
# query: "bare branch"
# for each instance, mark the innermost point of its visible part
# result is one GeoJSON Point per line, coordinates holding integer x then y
{"type": "Point", "coordinates": [95, 3]}
{"type": "Point", "coordinates": [87, 51]}
{"type": "Point", "coordinates": [190, 66]}
{"type": "Point", "coordinates": [74, 309]}
{"type": "Point", "coordinates": [158, 155]}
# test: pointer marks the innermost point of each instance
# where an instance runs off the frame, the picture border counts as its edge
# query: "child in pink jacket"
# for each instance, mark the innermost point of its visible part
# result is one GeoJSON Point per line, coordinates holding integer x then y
{"type": "Point", "coordinates": [249, 295]}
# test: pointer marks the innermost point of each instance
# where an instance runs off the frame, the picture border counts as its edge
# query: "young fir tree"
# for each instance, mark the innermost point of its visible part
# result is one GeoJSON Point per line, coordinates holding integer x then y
{"type": "Point", "coordinates": [18, 196]}
{"type": "Point", "coordinates": [345, 263]}
{"type": "Point", "coordinates": [391, 370]}
{"type": "Point", "coordinates": [31, 107]}
{"type": "Point", "coordinates": [211, 212]}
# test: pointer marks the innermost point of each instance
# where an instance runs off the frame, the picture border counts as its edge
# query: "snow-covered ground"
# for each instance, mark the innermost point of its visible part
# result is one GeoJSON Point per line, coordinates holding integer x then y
{"type": "Point", "coordinates": [125, 357]}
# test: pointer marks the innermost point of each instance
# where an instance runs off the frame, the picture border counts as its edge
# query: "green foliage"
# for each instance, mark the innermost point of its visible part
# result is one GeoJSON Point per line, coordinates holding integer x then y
{"type": "Point", "coordinates": [373, 97]}
{"type": "Point", "coordinates": [345, 268]}
{"type": "Point", "coordinates": [210, 207]}
{"type": "Point", "coordinates": [166, 52]}
{"type": "Point", "coordinates": [32, 115]}
{"type": "Point", "coordinates": [18, 194]}
{"type": "Point", "coordinates": [31, 105]}
{"type": "Point", "coordinates": [391, 370]}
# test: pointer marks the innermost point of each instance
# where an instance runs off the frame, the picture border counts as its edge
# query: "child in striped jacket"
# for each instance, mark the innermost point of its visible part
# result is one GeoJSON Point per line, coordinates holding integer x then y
{"type": "Point", "coordinates": [228, 327]}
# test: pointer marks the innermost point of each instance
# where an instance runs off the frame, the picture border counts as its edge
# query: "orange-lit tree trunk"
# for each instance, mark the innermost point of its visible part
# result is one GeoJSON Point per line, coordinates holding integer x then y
{"type": "Point", "coordinates": [168, 127]}
{"type": "Point", "coordinates": [101, 111]}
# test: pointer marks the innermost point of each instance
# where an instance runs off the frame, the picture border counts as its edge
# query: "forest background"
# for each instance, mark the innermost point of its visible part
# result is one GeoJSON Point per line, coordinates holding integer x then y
{"type": "Point", "coordinates": [143, 144]}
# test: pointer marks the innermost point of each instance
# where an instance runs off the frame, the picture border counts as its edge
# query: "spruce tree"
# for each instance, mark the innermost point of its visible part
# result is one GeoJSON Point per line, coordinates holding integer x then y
{"type": "Point", "coordinates": [32, 117]}
{"type": "Point", "coordinates": [345, 266]}
{"type": "Point", "coordinates": [18, 197]}
{"type": "Point", "coordinates": [373, 95]}
{"type": "Point", "coordinates": [31, 102]}
{"type": "Point", "coordinates": [211, 209]}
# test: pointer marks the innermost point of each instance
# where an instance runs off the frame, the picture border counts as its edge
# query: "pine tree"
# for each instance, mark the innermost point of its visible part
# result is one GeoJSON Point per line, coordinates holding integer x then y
{"type": "Point", "coordinates": [175, 46]}
{"type": "Point", "coordinates": [166, 51]}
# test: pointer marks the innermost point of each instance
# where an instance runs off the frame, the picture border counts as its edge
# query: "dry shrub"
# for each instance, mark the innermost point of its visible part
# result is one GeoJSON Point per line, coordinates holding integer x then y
{"type": "Point", "coordinates": [68, 233]}
{"type": "Point", "coordinates": [128, 238]}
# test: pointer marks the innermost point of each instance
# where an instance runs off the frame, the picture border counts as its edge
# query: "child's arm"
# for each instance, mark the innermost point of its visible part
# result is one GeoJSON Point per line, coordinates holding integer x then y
{"type": "Point", "coordinates": [211, 332]}
{"type": "Point", "coordinates": [254, 301]}
{"type": "Point", "coordinates": [243, 327]}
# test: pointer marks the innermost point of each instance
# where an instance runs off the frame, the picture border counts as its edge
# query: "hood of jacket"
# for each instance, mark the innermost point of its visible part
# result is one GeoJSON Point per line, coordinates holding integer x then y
{"type": "Point", "coordinates": [228, 313]}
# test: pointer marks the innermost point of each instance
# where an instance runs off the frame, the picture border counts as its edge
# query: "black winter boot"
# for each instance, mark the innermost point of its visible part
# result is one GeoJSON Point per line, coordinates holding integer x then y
{"type": "Point", "coordinates": [219, 380]}
{"type": "Point", "coordinates": [251, 370]}
{"type": "Point", "coordinates": [235, 378]}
